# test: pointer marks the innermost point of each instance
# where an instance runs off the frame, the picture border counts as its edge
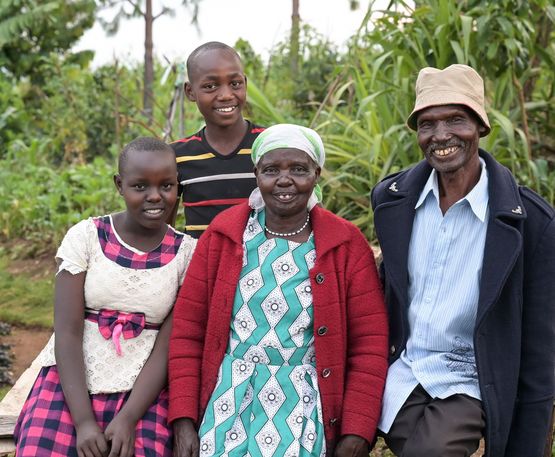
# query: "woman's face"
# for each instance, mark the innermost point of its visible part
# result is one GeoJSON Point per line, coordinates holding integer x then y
{"type": "Point", "coordinates": [286, 178]}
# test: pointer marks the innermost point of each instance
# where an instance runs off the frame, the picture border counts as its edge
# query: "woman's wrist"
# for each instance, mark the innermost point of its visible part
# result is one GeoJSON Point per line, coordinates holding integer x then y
{"type": "Point", "coordinates": [184, 422]}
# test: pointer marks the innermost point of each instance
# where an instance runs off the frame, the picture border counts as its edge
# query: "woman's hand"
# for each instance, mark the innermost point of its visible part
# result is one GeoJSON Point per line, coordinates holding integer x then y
{"type": "Point", "coordinates": [90, 440]}
{"type": "Point", "coordinates": [121, 434]}
{"type": "Point", "coordinates": [185, 438]}
{"type": "Point", "coordinates": [352, 446]}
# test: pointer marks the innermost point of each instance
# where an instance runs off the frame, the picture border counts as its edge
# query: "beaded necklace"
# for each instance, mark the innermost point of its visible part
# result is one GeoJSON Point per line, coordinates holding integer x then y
{"type": "Point", "coordinates": [296, 232]}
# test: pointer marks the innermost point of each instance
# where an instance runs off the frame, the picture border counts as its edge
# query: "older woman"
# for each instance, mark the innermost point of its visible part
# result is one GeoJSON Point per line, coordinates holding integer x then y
{"type": "Point", "coordinates": [279, 335]}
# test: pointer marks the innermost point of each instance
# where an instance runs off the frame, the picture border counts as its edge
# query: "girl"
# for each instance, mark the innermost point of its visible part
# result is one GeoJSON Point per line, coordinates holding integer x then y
{"type": "Point", "coordinates": [101, 390]}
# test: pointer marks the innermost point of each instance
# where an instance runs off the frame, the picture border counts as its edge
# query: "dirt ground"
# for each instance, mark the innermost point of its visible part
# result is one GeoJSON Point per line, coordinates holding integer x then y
{"type": "Point", "coordinates": [26, 343]}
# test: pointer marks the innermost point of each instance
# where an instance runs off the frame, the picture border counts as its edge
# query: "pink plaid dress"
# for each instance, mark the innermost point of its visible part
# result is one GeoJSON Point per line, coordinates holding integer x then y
{"type": "Point", "coordinates": [44, 427]}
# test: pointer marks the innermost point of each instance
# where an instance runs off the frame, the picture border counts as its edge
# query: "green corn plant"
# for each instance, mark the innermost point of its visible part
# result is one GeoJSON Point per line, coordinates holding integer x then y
{"type": "Point", "coordinates": [362, 121]}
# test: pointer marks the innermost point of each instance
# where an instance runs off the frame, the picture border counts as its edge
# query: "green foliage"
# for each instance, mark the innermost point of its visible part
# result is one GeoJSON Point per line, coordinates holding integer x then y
{"type": "Point", "coordinates": [62, 123]}
{"type": "Point", "coordinates": [31, 29]}
{"type": "Point", "coordinates": [22, 304]}
{"type": "Point", "coordinates": [40, 202]}
{"type": "Point", "coordinates": [362, 121]}
{"type": "Point", "coordinates": [13, 117]}
{"type": "Point", "coordinates": [300, 96]}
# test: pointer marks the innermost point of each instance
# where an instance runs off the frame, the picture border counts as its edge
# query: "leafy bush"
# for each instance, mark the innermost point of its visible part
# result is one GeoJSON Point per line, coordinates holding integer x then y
{"type": "Point", "coordinates": [40, 202]}
{"type": "Point", "coordinates": [362, 122]}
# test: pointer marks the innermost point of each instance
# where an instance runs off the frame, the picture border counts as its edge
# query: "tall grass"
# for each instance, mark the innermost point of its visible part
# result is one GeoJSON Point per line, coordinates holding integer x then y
{"type": "Point", "coordinates": [363, 119]}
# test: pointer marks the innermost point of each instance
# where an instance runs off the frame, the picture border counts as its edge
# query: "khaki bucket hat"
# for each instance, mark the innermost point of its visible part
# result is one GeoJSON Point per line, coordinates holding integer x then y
{"type": "Point", "coordinates": [455, 85]}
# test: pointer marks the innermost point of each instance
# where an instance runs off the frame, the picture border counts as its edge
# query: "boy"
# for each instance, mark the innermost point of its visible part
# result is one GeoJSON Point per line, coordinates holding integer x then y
{"type": "Point", "coordinates": [214, 166]}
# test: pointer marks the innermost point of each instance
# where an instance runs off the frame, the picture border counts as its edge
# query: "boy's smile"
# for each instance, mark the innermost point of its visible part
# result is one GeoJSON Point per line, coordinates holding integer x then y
{"type": "Point", "coordinates": [218, 86]}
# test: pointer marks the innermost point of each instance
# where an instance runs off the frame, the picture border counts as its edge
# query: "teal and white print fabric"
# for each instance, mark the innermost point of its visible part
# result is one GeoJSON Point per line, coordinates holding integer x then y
{"type": "Point", "coordinates": [266, 400]}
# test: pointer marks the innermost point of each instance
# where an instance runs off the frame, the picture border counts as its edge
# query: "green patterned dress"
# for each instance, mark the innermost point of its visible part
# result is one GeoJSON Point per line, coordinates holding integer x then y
{"type": "Point", "coordinates": [266, 400]}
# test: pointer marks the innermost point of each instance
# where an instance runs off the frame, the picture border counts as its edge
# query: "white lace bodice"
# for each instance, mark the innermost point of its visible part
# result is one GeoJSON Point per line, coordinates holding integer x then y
{"type": "Point", "coordinates": [151, 291]}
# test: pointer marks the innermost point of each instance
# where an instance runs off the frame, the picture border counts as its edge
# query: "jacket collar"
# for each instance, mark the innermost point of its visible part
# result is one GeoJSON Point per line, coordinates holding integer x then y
{"type": "Point", "coordinates": [232, 222]}
{"type": "Point", "coordinates": [504, 198]}
{"type": "Point", "coordinates": [395, 216]}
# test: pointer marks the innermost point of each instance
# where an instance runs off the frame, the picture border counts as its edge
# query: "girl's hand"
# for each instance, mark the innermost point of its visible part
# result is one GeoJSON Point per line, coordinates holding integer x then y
{"type": "Point", "coordinates": [90, 440]}
{"type": "Point", "coordinates": [352, 446]}
{"type": "Point", "coordinates": [185, 438]}
{"type": "Point", "coordinates": [121, 434]}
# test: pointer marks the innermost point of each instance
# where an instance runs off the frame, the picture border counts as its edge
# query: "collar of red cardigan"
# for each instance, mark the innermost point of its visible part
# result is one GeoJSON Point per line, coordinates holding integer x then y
{"type": "Point", "coordinates": [329, 230]}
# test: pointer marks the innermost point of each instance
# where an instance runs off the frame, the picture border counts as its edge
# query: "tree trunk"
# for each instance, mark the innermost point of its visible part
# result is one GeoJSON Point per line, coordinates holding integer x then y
{"type": "Point", "coordinates": [294, 41]}
{"type": "Point", "coordinates": [148, 96]}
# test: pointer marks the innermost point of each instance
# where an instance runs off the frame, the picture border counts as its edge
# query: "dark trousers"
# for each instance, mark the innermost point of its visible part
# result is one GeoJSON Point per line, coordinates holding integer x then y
{"type": "Point", "coordinates": [428, 427]}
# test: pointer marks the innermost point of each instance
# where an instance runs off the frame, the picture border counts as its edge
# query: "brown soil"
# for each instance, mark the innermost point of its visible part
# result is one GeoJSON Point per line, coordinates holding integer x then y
{"type": "Point", "coordinates": [40, 267]}
{"type": "Point", "coordinates": [26, 343]}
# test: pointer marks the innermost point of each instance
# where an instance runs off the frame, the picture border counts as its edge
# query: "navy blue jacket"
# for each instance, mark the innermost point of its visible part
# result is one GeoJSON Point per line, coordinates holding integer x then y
{"type": "Point", "coordinates": [514, 335]}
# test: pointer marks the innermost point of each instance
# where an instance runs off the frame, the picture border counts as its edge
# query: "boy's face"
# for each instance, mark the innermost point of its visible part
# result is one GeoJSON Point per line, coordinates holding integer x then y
{"type": "Point", "coordinates": [218, 86]}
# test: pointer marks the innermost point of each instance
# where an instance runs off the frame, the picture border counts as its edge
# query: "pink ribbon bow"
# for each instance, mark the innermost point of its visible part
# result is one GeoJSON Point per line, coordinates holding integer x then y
{"type": "Point", "coordinates": [114, 324]}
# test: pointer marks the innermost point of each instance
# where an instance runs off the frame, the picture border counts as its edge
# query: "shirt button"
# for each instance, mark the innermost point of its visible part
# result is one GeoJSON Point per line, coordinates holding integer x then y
{"type": "Point", "coordinates": [392, 349]}
{"type": "Point", "coordinates": [322, 330]}
{"type": "Point", "coordinates": [427, 299]}
{"type": "Point", "coordinates": [319, 278]}
{"type": "Point", "coordinates": [326, 372]}
{"type": "Point", "coordinates": [333, 421]}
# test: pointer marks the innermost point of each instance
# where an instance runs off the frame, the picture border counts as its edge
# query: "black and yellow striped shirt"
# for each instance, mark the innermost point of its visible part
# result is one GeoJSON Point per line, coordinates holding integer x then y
{"type": "Point", "coordinates": [211, 182]}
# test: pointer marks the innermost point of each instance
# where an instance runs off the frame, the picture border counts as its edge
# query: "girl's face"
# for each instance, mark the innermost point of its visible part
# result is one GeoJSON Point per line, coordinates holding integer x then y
{"type": "Point", "coordinates": [148, 184]}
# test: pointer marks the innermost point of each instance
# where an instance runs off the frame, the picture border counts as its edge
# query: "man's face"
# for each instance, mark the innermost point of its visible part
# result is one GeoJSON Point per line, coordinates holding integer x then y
{"type": "Point", "coordinates": [449, 136]}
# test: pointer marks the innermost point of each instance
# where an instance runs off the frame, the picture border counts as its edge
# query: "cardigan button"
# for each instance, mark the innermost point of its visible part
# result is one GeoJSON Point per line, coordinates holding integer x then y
{"type": "Point", "coordinates": [392, 349]}
{"type": "Point", "coordinates": [322, 330]}
{"type": "Point", "coordinates": [319, 278]}
{"type": "Point", "coordinates": [326, 372]}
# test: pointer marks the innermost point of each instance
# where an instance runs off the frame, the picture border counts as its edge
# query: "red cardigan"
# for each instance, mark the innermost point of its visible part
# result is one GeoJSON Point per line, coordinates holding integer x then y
{"type": "Point", "coordinates": [350, 324]}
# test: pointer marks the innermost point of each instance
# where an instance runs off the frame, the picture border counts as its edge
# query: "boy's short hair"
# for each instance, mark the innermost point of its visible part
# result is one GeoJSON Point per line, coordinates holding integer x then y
{"type": "Point", "coordinates": [143, 143]}
{"type": "Point", "coordinates": [209, 46]}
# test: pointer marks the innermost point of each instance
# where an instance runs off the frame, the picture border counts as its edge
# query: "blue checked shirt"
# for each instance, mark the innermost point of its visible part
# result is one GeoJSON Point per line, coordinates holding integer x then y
{"type": "Point", "coordinates": [444, 266]}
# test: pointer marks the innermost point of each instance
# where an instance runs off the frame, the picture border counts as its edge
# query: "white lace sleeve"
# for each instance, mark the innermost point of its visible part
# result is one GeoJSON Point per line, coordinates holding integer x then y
{"type": "Point", "coordinates": [74, 252]}
{"type": "Point", "coordinates": [184, 255]}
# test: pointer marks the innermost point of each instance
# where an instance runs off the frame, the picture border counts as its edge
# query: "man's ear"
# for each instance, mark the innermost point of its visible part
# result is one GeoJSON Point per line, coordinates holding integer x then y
{"type": "Point", "coordinates": [481, 129]}
{"type": "Point", "coordinates": [117, 182]}
{"type": "Point", "coordinates": [189, 92]}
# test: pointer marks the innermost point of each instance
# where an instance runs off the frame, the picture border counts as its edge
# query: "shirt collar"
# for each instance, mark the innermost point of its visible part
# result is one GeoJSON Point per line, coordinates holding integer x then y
{"type": "Point", "coordinates": [477, 198]}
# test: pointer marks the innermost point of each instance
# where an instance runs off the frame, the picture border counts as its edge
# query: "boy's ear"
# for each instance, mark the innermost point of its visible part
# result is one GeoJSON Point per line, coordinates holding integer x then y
{"type": "Point", "coordinates": [189, 92]}
{"type": "Point", "coordinates": [117, 182]}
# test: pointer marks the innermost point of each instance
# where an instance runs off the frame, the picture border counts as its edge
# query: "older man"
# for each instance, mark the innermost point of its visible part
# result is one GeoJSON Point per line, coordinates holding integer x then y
{"type": "Point", "coordinates": [469, 271]}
